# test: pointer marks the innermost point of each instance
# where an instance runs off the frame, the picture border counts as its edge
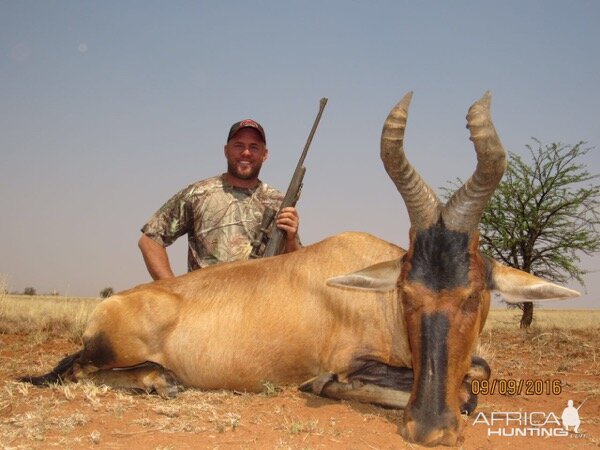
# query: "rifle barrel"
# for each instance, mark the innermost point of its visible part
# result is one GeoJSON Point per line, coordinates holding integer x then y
{"type": "Point", "coordinates": [275, 244]}
{"type": "Point", "coordinates": [322, 104]}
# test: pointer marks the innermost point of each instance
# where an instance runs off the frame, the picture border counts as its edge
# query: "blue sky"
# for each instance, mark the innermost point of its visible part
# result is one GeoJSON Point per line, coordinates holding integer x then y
{"type": "Point", "coordinates": [109, 108]}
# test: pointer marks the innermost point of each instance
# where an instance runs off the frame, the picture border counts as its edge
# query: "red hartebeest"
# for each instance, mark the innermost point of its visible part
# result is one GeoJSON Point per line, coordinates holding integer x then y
{"type": "Point", "coordinates": [399, 333]}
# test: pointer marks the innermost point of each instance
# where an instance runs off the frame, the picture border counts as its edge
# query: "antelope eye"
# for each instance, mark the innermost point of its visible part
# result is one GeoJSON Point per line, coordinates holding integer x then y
{"type": "Point", "coordinates": [471, 303]}
{"type": "Point", "coordinates": [410, 300]}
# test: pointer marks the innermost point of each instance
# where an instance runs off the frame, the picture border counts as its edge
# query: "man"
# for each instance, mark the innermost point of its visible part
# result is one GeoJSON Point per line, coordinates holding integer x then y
{"type": "Point", "coordinates": [220, 215]}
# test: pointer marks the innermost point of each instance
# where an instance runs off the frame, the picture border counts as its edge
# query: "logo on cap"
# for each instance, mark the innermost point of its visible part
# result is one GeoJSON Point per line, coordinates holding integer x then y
{"type": "Point", "coordinates": [248, 123]}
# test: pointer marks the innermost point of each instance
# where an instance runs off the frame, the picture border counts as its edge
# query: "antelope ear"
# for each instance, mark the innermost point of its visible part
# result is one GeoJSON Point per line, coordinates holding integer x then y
{"type": "Point", "coordinates": [381, 277]}
{"type": "Point", "coordinates": [517, 286]}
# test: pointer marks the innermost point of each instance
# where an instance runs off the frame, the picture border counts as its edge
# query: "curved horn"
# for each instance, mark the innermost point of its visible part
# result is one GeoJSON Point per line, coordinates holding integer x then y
{"type": "Point", "coordinates": [421, 202]}
{"type": "Point", "coordinates": [463, 211]}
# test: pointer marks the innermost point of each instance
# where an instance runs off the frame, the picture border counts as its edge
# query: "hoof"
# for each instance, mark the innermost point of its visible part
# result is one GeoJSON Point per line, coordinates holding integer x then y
{"type": "Point", "coordinates": [317, 384]}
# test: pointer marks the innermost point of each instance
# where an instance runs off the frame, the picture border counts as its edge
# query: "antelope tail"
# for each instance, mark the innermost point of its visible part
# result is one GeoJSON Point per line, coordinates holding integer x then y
{"type": "Point", "coordinates": [56, 375]}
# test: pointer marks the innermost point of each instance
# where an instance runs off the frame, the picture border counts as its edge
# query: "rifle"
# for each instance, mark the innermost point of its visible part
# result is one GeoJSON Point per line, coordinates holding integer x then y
{"type": "Point", "coordinates": [271, 237]}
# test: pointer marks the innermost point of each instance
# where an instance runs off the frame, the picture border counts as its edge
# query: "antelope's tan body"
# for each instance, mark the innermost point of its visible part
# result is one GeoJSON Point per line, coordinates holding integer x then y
{"type": "Point", "coordinates": [237, 325]}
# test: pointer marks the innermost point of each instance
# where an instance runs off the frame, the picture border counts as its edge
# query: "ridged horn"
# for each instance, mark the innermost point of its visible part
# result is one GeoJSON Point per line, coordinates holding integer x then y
{"type": "Point", "coordinates": [464, 210]}
{"type": "Point", "coordinates": [421, 202]}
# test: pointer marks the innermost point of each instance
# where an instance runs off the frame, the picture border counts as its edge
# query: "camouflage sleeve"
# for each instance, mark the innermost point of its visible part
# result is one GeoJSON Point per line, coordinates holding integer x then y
{"type": "Point", "coordinates": [171, 221]}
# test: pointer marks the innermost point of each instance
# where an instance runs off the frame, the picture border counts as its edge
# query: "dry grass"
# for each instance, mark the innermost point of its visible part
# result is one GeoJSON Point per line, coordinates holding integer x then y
{"type": "Point", "coordinates": [544, 319]}
{"type": "Point", "coordinates": [45, 317]}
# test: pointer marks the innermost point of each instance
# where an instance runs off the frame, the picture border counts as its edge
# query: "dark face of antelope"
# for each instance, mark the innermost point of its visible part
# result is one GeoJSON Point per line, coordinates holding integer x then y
{"type": "Point", "coordinates": [443, 281]}
{"type": "Point", "coordinates": [445, 304]}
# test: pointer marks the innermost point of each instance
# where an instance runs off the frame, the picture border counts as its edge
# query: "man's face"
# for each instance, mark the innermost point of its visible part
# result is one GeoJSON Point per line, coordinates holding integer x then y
{"type": "Point", "coordinates": [245, 153]}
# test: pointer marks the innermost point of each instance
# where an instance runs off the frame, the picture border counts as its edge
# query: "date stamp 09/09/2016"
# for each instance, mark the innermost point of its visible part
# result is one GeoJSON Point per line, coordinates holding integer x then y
{"type": "Point", "coordinates": [514, 386]}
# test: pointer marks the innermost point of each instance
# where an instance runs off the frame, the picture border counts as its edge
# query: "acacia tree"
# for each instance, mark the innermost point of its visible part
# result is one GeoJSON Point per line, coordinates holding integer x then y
{"type": "Point", "coordinates": [544, 215]}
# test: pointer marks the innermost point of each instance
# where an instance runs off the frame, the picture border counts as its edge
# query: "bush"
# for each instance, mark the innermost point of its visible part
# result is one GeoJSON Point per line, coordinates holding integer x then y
{"type": "Point", "coordinates": [29, 291]}
{"type": "Point", "coordinates": [107, 292]}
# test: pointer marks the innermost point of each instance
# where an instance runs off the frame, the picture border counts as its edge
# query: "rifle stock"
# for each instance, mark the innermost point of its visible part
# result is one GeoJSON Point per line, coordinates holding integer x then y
{"type": "Point", "coordinates": [270, 236]}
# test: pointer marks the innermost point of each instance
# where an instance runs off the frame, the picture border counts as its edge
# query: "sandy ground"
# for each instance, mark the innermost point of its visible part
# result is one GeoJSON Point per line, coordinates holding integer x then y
{"type": "Point", "coordinates": [81, 416]}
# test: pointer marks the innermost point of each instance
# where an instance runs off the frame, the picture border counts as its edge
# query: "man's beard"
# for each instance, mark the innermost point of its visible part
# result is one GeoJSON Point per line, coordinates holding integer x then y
{"type": "Point", "coordinates": [248, 175]}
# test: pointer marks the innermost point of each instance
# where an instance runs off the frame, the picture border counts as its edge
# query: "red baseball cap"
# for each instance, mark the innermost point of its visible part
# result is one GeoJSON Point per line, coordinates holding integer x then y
{"type": "Point", "coordinates": [246, 123]}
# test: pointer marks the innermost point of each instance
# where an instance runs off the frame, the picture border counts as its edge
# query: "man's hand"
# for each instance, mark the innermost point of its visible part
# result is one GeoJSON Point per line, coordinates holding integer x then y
{"type": "Point", "coordinates": [289, 221]}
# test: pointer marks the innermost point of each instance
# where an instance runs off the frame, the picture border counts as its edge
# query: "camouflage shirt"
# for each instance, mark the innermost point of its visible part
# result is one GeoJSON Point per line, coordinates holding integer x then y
{"type": "Point", "coordinates": [221, 220]}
